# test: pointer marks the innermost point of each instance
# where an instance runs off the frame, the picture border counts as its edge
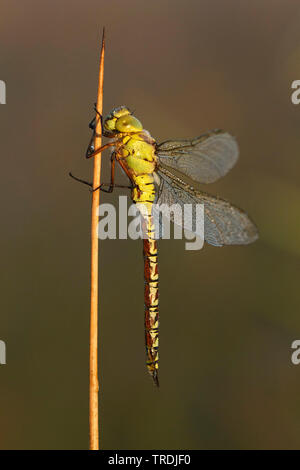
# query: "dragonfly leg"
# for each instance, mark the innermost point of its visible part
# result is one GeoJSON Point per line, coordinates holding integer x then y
{"type": "Point", "coordinates": [91, 153]}
{"type": "Point", "coordinates": [92, 125]}
{"type": "Point", "coordinates": [112, 175]}
{"type": "Point", "coordinates": [100, 115]}
{"type": "Point", "coordinates": [111, 185]}
{"type": "Point", "coordinates": [80, 180]}
{"type": "Point", "coordinates": [110, 189]}
{"type": "Point", "coordinates": [101, 185]}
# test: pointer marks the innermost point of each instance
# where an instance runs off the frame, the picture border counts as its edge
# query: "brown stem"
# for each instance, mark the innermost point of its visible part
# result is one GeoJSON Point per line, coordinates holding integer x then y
{"type": "Point", "coordinates": [94, 384]}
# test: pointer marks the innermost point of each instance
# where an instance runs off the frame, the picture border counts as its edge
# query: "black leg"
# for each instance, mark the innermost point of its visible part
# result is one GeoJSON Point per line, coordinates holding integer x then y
{"type": "Point", "coordinates": [92, 124]}
{"type": "Point", "coordinates": [103, 131]}
{"type": "Point", "coordinates": [97, 112]}
{"type": "Point", "coordinates": [109, 190]}
{"type": "Point", "coordinates": [80, 180]}
{"type": "Point", "coordinates": [91, 152]}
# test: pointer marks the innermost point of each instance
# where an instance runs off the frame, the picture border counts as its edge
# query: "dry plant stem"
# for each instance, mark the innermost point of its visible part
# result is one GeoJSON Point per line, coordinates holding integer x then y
{"type": "Point", "coordinates": [94, 385]}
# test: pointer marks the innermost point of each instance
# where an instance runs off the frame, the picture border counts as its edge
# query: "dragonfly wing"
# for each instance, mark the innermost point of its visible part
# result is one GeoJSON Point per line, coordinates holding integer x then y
{"type": "Point", "coordinates": [224, 224]}
{"type": "Point", "coordinates": [205, 159]}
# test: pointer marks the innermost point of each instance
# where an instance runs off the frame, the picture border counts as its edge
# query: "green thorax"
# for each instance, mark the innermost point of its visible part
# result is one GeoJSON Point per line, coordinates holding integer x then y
{"type": "Point", "coordinates": [138, 151]}
{"type": "Point", "coordinates": [135, 151]}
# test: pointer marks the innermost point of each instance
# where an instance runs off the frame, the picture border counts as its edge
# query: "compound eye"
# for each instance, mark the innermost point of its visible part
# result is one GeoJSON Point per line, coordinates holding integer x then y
{"type": "Point", "coordinates": [110, 124]}
{"type": "Point", "coordinates": [128, 123]}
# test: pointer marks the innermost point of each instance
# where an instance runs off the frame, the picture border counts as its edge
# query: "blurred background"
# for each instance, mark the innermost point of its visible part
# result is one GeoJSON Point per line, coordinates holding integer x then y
{"type": "Point", "coordinates": [228, 315]}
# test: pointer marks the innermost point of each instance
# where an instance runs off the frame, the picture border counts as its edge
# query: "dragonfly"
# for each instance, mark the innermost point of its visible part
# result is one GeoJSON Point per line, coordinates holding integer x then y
{"type": "Point", "coordinates": [158, 175]}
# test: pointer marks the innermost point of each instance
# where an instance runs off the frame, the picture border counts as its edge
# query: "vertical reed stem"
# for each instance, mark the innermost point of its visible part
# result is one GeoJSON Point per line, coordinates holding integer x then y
{"type": "Point", "coordinates": [94, 384]}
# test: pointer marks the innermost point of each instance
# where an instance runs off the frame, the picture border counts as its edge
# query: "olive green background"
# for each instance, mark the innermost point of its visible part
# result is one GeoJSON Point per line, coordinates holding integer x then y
{"type": "Point", "coordinates": [228, 315]}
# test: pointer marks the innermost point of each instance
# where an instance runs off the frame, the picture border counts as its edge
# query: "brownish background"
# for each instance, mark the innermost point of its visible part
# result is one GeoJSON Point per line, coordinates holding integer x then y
{"type": "Point", "coordinates": [229, 315]}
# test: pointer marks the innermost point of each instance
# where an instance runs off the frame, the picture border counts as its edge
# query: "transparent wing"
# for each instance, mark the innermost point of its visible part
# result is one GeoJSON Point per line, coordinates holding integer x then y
{"type": "Point", "coordinates": [205, 159]}
{"type": "Point", "coordinates": [224, 224]}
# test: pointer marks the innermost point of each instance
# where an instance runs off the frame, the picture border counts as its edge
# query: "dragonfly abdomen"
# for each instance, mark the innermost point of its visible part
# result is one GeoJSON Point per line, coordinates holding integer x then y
{"type": "Point", "coordinates": [140, 160]}
{"type": "Point", "coordinates": [144, 195]}
{"type": "Point", "coordinates": [151, 298]}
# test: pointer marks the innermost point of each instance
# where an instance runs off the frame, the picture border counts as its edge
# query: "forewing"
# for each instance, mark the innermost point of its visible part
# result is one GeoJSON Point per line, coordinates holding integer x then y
{"type": "Point", "coordinates": [205, 159]}
{"type": "Point", "coordinates": [224, 224]}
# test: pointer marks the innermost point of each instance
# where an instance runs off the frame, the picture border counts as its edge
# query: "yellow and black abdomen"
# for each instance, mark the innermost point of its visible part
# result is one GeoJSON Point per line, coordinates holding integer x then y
{"type": "Point", "coordinates": [141, 162]}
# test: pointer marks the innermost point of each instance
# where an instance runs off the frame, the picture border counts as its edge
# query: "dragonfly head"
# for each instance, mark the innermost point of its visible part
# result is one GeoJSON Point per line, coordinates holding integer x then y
{"type": "Point", "coordinates": [122, 120]}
